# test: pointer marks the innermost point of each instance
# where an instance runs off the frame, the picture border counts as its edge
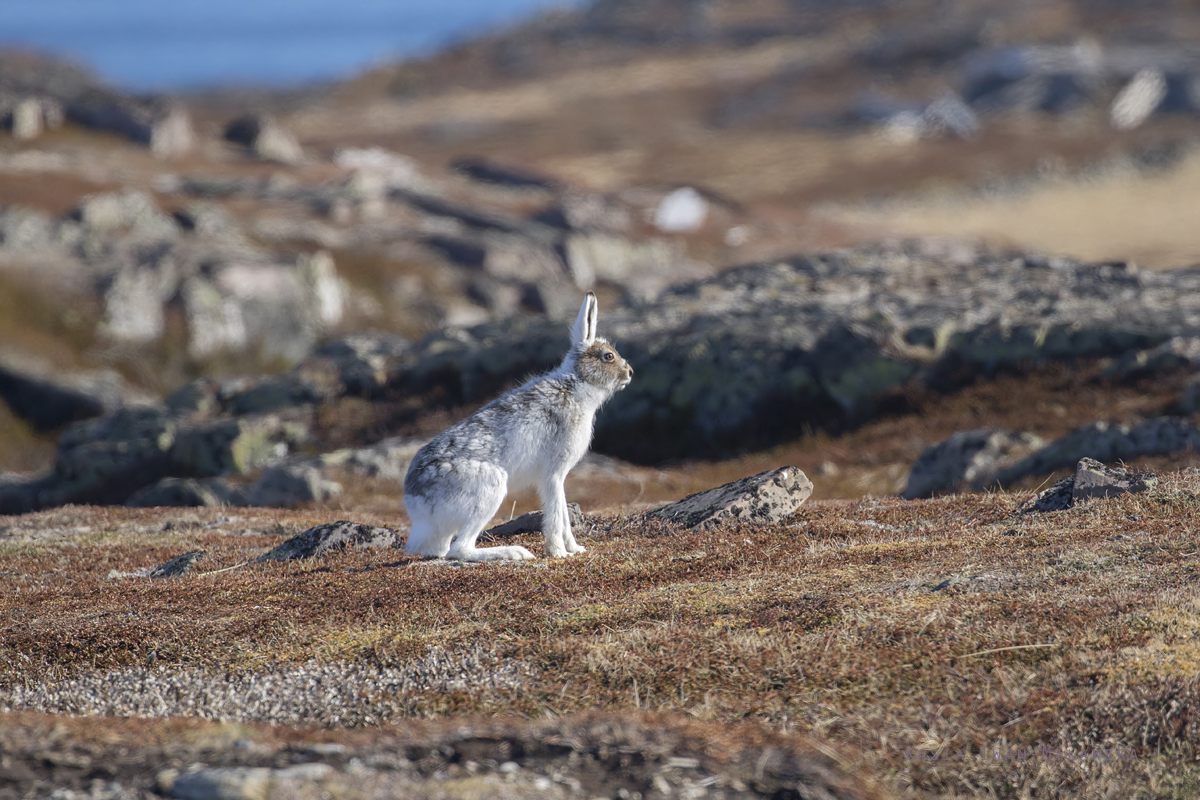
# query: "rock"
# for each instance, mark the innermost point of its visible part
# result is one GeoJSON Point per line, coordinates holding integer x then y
{"type": "Point", "coordinates": [1093, 479]}
{"type": "Point", "coordinates": [132, 212]}
{"type": "Point", "coordinates": [166, 128]}
{"type": "Point", "coordinates": [214, 321]}
{"type": "Point", "coordinates": [484, 171]}
{"type": "Point", "coordinates": [50, 398]}
{"type": "Point", "coordinates": [105, 460]}
{"type": "Point", "coordinates": [1178, 352]}
{"type": "Point", "coordinates": [584, 211]}
{"type": "Point", "coordinates": [332, 536]}
{"type": "Point", "coordinates": [27, 120]}
{"type": "Point", "coordinates": [187, 493]}
{"type": "Point", "coordinates": [968, 460]}
{"type": "Point", "coordinates": [387, 459]}
{"type": "Point", "coordinates": [1057, 498]}
{"type": "Point", "coordinates": [289, 485]}
{"type": "Point", "coordinates": [177, 566]}
{"type": "Point", "coordinates": [532, 523]}
{"type": "Point", "coordinates": [133, 307]}
{"type": "Point", "coordinates": [682, 211]}
{"type": "Point", "coordinates": [223, 783]}
{"type": "Point", "coordinates": [643, 268]}
{"type": "Point", "coordinates": [365, 361]}
{"type": "Point", "coordinates": [1106, 442]}
{"type": "Point", "coordinates": [265, 138]}
{"type": "Point", "coordinates": [234, 445]}
{"type": "Point", "coordinates": [769, 497]}
{"type": "Point", "coordinates": [1189, 401]}
{"type": "Point", "coordinates": [1138, 100]}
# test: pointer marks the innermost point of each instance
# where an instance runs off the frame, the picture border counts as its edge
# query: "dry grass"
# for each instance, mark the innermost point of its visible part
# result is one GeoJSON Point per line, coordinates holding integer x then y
{"type": "Point", "coordinates": [1147, 219]}
{"type": "Point", "coordinates": [922, 636]}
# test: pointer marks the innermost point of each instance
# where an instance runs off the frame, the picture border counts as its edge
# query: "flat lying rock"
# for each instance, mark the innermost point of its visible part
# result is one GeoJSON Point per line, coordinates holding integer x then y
{"type": "Point", "coordinates": [331, 536]}
{"type": "Point", "coordinates": [177, 565]}
{"type": "Point", "coordinates": [532, 523]}
{"type": "Point", "coordinates": [771, 496]}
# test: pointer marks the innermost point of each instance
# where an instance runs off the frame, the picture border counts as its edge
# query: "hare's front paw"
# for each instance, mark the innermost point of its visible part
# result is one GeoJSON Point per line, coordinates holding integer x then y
{"type": "Point", "coordinates": [574, 548]}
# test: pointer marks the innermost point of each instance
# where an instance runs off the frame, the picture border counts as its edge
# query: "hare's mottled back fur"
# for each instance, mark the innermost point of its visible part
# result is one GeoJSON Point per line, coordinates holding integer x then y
{"type": "Point", "coordinates": [531, 436]}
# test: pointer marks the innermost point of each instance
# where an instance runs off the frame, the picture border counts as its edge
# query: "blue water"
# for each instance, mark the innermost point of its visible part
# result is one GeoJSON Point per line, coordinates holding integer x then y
{"type": "Point", "coordinates": [159, 45]}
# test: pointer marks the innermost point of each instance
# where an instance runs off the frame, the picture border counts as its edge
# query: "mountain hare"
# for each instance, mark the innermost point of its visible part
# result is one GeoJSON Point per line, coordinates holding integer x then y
{"type": "Point", "coordinates": [531, 436]}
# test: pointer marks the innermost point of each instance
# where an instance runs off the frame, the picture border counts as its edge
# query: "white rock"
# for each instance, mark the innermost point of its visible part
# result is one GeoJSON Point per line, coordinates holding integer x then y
{"type": "Point", "coordinates": [682, 211]}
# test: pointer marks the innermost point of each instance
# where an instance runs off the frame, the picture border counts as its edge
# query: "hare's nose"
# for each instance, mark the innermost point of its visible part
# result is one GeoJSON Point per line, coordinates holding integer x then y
{"type": "Point", "coordinates": [629, 367]}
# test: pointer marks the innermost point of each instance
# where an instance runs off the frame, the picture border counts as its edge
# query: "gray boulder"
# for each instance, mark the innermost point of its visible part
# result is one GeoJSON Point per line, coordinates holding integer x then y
{"type": "Point", "coordinates": [769, 497]}
{"type": "Point", "coordinates": [285, 485]}
{"type": "Point", "coordinates": [234, 445]}
{"type": "Point", "coordinates": [1107, 442]}
{"type": "Point", "coordinates": [1178, 352]}
{"type": "Point", "coordinates": [106, 459]}
{"type": "Point", "coordinates": [49, 398]}
{"type": "Point", "coordinates": [187, 493]}
{"type": "Point", "coordinates": [331, 537]}
{"type": "Point", "coordinates": [263, 136]}
{"type": "Point", "coordinates": [968, 460]}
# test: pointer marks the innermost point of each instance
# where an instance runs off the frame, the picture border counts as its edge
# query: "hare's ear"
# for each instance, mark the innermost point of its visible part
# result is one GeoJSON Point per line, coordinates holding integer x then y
{"type": "Point", "coordinates": [583, 334]}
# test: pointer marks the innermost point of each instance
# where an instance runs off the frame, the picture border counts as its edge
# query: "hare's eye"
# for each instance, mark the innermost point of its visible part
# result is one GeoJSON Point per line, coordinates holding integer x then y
{"type": "Point", "coordinates": [609, 355]}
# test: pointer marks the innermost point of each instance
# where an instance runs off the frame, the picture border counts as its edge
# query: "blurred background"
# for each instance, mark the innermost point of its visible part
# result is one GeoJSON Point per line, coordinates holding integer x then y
{"type": "Point", "coordinates": [203, 197]}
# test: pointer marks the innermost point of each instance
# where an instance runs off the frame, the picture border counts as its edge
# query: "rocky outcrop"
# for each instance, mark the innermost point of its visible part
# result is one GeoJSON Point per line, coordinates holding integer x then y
{"type": "Point", "coordinates": [62, 89]}
{"type": "Point", "coordinates": [759, 352]}
{"type": "Point", "coordinates": [968, 460]}
{"type": "Point", "coordinates": [769, 497]}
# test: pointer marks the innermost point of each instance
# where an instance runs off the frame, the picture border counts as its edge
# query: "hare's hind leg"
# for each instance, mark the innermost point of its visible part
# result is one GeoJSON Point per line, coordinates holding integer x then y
{"type": "Point", "coordinates": [426, 537]}
{"type": "Point", "coordinates": [483, 488]}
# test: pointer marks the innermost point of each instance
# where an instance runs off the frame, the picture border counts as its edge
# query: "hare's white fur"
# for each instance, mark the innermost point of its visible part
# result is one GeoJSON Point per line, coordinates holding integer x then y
{"type": "Point", "coordinates": [529, 437]}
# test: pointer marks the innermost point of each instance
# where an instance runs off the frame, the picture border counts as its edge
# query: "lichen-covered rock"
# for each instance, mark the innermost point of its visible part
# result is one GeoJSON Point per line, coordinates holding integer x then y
{"type": "Point", "coordinates": [106, 459]}
{"type": "Point", "coordinates": [772, 496]}
{"type": "Point", "coordinates": [968, 460]}
{"type": "Point", "coordinates": [291, 484]}
{"type": "Point", "coordinates": [187, 493]}
{"type": "Point", "coordinates": [388, 458]}
{"type": "Point", "coordinates": [234, 445]}
{"type": "Point", "coordinates": [330, 537]}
